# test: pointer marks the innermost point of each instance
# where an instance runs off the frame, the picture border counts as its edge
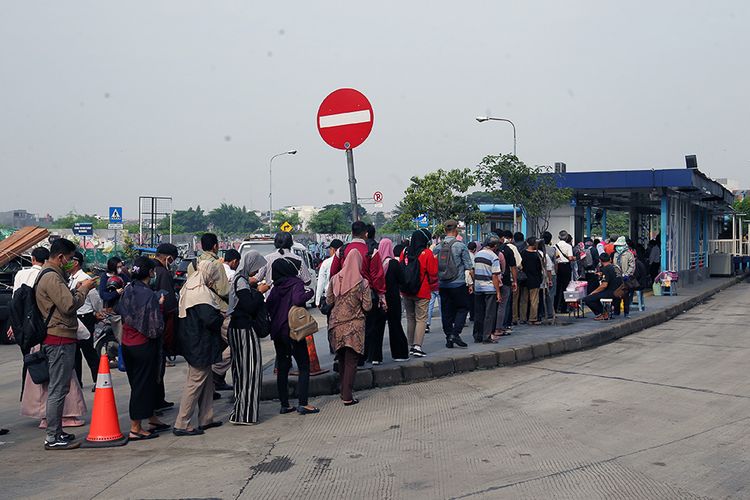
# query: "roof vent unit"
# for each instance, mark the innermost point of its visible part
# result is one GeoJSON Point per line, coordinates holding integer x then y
{"type": "Point", "coordinates": [560, 167]}
{"type": "Point", "coordinates": [691, 161]}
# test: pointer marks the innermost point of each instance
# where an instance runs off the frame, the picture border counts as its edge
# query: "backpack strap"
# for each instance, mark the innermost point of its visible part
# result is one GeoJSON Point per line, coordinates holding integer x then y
{"type": "Point", "coordinates": [36, 282]}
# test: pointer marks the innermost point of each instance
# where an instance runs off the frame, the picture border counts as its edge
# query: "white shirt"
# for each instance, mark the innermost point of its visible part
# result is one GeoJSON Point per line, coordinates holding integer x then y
{"type": "Point", "coordinates": [229, 271]}
{"type": "Point", "coordinates": [564, 250]}
{"type": "Point", "coordinates": [26, 276]}
{"type": "Point", "coordinates": [80, 277]}
{"type": "Point", "coordinates": [324, 277]}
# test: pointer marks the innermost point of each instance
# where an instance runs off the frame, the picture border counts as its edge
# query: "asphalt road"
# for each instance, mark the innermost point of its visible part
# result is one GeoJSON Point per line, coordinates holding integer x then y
{"type": "Point", "coordinates": [664, 413]}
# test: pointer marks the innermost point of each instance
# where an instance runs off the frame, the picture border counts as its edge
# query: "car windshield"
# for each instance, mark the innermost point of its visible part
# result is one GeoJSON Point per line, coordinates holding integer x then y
{"type": "Point", "coordinates": [263, 248]}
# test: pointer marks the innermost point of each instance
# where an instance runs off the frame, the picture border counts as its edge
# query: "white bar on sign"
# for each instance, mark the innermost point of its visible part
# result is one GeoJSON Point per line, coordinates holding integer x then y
{"type": "Point", "coordinates": [345, 119]}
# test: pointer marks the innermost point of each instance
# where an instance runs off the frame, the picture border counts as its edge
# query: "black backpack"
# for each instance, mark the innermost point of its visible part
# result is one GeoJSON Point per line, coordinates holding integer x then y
{"type": "Point", "coordinates": [412, 275]}
{"type": "Point", "coordinates": [29, 328]}
{"type": "Point", "coordinates": [641, 274]}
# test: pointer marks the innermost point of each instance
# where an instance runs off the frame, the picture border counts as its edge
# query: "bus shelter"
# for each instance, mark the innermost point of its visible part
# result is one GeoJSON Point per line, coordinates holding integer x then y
{"type": "Point", "coordinates": [683, 209]}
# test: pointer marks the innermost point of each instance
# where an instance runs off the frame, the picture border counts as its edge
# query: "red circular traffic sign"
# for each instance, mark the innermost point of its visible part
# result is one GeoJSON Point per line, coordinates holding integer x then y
{"type": "Point", "coordinates": [377, 197]}
{"type": "Point", "coordinates": [345, 118]}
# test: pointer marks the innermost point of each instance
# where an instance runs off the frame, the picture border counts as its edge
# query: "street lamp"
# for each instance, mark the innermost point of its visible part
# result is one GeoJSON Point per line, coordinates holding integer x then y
{"type": "Point", "coordinates": [481, 119]}
{"type": "Point", "coordinates": [270, 187]}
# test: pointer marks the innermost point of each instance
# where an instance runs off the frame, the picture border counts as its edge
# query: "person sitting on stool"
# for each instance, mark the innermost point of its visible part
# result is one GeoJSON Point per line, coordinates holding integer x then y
{"type": "Point", "coordinates": [609, 282]}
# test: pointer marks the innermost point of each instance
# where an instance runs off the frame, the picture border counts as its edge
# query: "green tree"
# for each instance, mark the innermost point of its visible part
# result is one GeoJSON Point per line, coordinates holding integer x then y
{"type": "Point", "coordinates": [378, 219]}
{"type": "Point", "coordinates": [330, 220]}
{"type": "Point", "coordinates": [231, 219]}
{"type": "Point", "coordinates": [533, 188]}
{"type": "Point", "coordinates": [618, 224]}
{"type": "Point", "coordinates": [71, 218]}
{"type": "Point", "coordinates": [192, 220]}
{"type": "Point", "coordinates": [440, 195]}
{"type": "Point", "coordinates": [282, 216]}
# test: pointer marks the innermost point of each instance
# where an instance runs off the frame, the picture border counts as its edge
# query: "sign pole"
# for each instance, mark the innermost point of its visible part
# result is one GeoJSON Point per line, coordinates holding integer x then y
{"type": "Point", "coordinates": [352, 184]}
{"type": "Point", "coordinates": [115, 242]}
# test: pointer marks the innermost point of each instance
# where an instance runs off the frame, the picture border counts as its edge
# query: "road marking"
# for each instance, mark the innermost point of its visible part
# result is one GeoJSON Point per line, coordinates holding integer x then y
{"type": "Point", "coordinates": [351, 118]}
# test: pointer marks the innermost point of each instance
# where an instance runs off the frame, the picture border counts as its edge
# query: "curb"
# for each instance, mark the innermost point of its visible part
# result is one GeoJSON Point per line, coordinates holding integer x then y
{"type": "Point", "coordinates": [441, 366]}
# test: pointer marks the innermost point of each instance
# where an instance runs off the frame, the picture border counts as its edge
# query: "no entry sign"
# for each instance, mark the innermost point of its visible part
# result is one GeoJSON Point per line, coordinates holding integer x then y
{"type": "Point", "coordinates": [345, 119]}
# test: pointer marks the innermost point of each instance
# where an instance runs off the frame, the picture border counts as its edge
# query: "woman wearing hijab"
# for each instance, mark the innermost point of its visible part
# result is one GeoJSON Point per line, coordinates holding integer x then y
{"type": "Point", "coordinates": [349, 294]}
{"type": "Point", "coordinates": [142, 325]}
{"type": "Point", "coordinates": [245, 303]}
{"type": "Point", "coordinates": [416, 305]}
{"type": "Point", "coordinates": [625, 260]}
{"type": "Point", "coordinates": [289, 290]}
{"type": "Point", "coordinates": [393, 279]}
{"type": "Point", "coordinates": [199, 337]}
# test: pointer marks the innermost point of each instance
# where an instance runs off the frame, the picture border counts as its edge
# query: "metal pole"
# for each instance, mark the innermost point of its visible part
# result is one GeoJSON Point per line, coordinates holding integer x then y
{"type": "Point", "coordinates": [153, 209]}
{"type": "Point", "coordinates": [270, 194]}
{"type": "Point", "coordinates": [515, 224]}
{"type": "Point", "coordinates": [115, 242]}
{"type": "Point", "coordinates": [352, 184]}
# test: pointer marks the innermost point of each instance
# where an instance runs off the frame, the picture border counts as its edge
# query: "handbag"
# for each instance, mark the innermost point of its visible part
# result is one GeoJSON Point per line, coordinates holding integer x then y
{"type": "Point", "coordinates": [622, 291]}
{"type": "Point", "coordinates": [82, 333]}
{"type": "Point", "coordinates": [261, 322]}
{"type": "Point", "coordinates": [37, 366]}
{"type": "Point", "coordinates": [301, 323]}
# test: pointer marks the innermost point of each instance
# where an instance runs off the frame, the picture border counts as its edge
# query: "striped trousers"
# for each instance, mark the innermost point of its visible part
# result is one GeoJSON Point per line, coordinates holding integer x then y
{"type": "Point", "coordinates": [247, 375]}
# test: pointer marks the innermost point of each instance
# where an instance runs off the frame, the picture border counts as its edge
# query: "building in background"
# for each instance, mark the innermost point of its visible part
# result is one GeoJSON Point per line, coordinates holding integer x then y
{"type": "Point", "coordinates": [305, 213]}
{"type": "Point", "coordinates": [17, 219]}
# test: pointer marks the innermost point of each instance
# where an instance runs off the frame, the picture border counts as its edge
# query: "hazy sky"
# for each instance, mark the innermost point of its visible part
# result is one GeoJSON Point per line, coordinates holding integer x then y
{"type": "Point", "coordinates": [101, 102]}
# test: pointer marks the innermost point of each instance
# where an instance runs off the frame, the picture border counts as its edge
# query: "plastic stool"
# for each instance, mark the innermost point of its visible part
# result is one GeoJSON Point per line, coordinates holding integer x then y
{"type": "Point", "coordinates": [607, 304]}
{"type": "Point", "coordinates": [640, 302]}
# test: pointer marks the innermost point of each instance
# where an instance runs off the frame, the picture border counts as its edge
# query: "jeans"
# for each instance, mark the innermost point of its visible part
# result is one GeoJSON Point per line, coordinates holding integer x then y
{"type": "Point", "coordinates": [434, 297]}
{"type": "Point", "coordinates": [454, 307]}
{"type": "Point", "coordinates": [61, 359]}
{"type": "Point", "coordinates": [549, 298]}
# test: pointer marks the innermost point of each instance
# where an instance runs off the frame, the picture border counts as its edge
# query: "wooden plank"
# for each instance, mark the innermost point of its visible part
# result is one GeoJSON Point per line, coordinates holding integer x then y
{"type": "Point", "coordinates": [21, 241]}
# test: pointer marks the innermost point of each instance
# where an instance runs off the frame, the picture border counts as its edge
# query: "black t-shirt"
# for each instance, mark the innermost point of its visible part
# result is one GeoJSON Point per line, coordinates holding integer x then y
{"type": "Point", "coordinates": [510, 261]}
{"type": "Point", "coordinates": [532, 266]}
{"type": "Point", "coordinates": [609, 276]}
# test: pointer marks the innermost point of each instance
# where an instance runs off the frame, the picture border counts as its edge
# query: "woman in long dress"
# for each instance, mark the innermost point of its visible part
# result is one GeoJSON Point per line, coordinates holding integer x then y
{"type": "Point", "coordinates": [34, 402]}
{"type": "Point", "coordinates": [245, 303]}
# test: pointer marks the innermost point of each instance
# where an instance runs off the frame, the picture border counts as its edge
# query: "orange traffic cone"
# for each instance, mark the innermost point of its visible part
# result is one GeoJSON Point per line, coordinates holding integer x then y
{"type": "Point", "coordinates": [313, 355]}
{"type": "Point", "coordinates": [105, 425]}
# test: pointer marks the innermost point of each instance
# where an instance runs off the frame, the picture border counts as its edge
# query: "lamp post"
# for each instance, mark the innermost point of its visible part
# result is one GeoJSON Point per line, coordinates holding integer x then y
{"type": "Point", "coordinates": [270, 187]}
{"type": "Point", "coordinates": [481, 119]}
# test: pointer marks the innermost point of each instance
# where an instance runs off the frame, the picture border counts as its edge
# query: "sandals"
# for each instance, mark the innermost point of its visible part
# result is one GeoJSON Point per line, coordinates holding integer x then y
{"type": "Point", "coordinates": [353, 402]}
{"type": "Point", "coordinates": [307, 411]}
{"type": "Point", "coordinates": [134, 436]}
{"type": "Point", "coordinates": [159, 428]}
{"type": "Point", "coordinates": [601, 317]}
{"type": "Point", "coordinates": [185, 432]}
{"type": "Point", "coordinates": [210, 425]}
{"type": "Point", "coordinates": [287, 409]}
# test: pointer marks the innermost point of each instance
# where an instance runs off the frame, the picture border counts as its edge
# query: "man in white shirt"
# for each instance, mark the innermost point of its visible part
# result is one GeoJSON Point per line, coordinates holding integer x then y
{"type": "Point", "coordinates": [87, 316]}
{"type": "Point", "coordinates": [563, 257]}
{"type": "Point", "coordinates": [324, 273]}
{"type": "Point", "coordinates": [231, 263]}
{"type": "Point", "coordinates": [27, 276]}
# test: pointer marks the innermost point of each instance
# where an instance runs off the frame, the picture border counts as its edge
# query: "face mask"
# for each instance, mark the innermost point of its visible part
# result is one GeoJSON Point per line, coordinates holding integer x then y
{"type": "Point", "coordinates": [68, 266]}
{"type": "Point", "coordinates": [152, 281]}
{"type": "Point", "coordinates": [620, 249]}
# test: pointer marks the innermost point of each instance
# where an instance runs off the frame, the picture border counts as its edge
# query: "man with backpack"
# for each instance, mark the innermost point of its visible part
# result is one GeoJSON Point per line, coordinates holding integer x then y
{"type": "Point", "coordinates": [453, 262]}
{"type": "Point", "coordinates": [58, 306]}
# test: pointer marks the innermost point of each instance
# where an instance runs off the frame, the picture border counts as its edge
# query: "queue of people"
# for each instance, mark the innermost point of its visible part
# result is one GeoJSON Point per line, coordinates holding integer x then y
{"type": "Point", "coordinates": [226, 306]}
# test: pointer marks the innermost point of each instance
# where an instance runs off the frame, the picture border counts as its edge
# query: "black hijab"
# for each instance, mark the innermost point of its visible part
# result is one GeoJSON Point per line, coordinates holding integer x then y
{"type": "Point", "coordinates": [283, 269]}
{"type": "Point", "coordinates": [420, 239]}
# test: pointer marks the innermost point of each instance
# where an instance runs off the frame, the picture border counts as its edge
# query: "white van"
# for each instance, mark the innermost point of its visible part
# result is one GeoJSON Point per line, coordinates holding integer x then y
{"type": "Point", "coordinates": [265, 247]}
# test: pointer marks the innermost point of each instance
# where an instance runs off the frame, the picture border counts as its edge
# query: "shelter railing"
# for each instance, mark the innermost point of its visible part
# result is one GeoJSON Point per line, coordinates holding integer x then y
{"type": "Point", "coordinates": [731, 247]}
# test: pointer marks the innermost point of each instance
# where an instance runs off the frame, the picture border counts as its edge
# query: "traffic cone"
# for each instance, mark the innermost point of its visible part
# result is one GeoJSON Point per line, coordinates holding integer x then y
{"type": "Point", "coordinates": [313, 355]}
{"type": "Point", "coordinates": [105, 425]}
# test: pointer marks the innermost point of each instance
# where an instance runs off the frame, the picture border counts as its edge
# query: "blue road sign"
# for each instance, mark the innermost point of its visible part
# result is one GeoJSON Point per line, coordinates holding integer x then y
{"type": "Point", "coordinates": [115, 215]}
{"type": "Point", "coordinates": [83, 229]}
{"type": "Point", "coordinates": [422, 221]}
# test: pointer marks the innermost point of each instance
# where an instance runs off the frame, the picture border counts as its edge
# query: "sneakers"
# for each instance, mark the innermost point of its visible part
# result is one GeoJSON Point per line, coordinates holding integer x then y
{"type": "Point", "coordinates": [400, 360]}
{"type": "Point", "coordinates": [417, 351]}
{"type": "Point", "coordinates": [427, 329]}
{"type": "Point", "coordinates": [376, 363]}
{"type": "Point", "coordinates": [67, 437]}
{"type": "Point", "coordinates": [61, 444]}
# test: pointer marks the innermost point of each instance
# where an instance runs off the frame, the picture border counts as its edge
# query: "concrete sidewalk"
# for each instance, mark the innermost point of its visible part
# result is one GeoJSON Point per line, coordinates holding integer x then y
{"type": "Point", "coordinates": [525, 344]}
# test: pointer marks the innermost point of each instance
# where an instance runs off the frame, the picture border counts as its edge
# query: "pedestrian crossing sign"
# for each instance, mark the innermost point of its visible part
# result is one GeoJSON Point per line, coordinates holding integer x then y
{"type": "Point", "coordinates": [115, 215]}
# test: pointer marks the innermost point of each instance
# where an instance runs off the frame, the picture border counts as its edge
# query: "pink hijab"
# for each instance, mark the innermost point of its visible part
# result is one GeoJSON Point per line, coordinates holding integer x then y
{"type": "Point", "coordinates": [385, 249]}
{"type": "Point", "coordinates": [350, 274]}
